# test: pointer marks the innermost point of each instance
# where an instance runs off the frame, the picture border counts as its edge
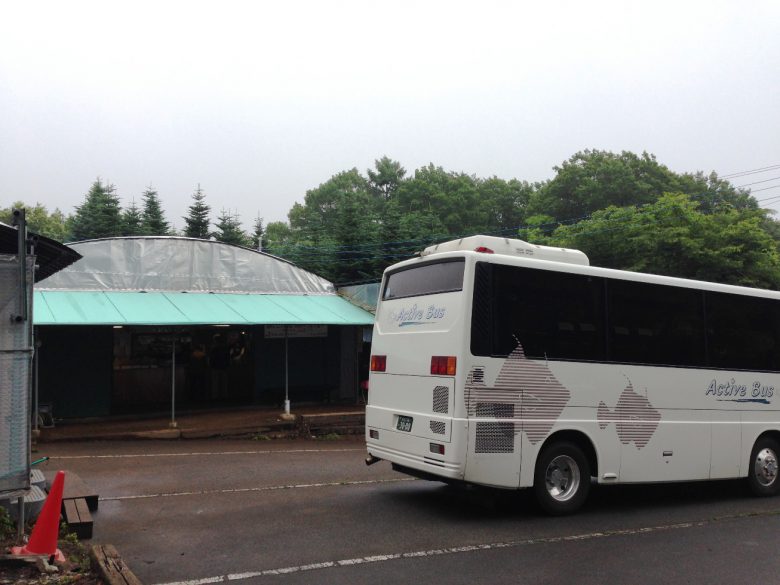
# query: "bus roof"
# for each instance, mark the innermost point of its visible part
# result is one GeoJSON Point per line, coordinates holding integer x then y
{"type": "Point", "coordinates": [509, 247]}
{"type": "Point", "coordinates": [556, 258]}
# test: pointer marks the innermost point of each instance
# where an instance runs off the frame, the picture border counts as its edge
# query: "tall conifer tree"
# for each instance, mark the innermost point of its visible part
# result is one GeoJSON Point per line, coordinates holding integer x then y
{"type": "Point", "coordinates": [196, 223]}
{"type": "Point", "coordinates": [99, 216]}
{"type": "Point", "coordinates": [132, 221]}
{"type": "Point", "coordinates": [229, 230]}
{"type": "Point", "coordinates": [258, 235]}
{"type": "Point", "coordinates": [153, 218]}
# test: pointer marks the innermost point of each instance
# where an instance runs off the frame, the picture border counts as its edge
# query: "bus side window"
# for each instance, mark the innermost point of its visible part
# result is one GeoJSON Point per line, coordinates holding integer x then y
{"type": "Point", "coordinates": [742, 332]}
{"type": "Point", "coordinates": [553, 315]}
{"type": "Point", "coordinates": [655, 324]}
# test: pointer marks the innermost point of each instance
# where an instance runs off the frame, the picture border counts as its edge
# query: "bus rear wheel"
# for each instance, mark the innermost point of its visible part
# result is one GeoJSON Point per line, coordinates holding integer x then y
{"type": "Point", "coordinates": [763, 472]}
{"type": "Point", "coordinates": [562, 478]}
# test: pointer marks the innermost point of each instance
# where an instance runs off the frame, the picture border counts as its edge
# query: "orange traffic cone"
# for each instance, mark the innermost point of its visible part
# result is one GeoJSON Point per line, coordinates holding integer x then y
{"type": "Point", "coordinates": [43, 540]}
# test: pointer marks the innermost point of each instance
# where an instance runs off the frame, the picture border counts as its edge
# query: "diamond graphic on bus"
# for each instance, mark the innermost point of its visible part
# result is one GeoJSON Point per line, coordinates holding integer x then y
{"type": "Point", "coordinates": [634, 417]}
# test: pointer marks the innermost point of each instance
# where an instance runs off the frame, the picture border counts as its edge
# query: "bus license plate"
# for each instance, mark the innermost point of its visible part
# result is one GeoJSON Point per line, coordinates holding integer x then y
{"type": "Point", "coordinates": [404, 423]}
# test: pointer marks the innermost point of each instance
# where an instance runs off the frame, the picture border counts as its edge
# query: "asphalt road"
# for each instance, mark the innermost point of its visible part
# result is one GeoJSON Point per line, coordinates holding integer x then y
{"type": "Point", "coordinates": [294, 512]}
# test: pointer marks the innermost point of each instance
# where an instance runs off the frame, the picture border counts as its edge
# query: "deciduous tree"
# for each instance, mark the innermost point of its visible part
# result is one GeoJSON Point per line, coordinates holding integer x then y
{"type": "Point", "coordinates": [672, 236]}
{"type": "Point", "coordinates": [51, 225]}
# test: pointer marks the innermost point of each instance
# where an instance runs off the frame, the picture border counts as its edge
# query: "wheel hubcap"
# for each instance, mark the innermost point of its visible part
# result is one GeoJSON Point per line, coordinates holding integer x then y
{"type": "Point", "coordinates": [765, 468]}
{"type": "Point", "coordinates": [562, 478]}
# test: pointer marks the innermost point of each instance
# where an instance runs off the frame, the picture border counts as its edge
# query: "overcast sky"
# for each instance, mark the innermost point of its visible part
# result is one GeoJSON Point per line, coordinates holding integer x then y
{"type": "Point", "coordinates": [259, 101]}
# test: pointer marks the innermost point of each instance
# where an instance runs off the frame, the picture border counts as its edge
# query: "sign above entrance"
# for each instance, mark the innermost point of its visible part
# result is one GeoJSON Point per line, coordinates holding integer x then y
{"type": "Point", "coordinates": [281, 331]}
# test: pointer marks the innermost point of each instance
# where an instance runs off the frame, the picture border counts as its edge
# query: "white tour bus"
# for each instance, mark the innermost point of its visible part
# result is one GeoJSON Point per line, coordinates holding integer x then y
{"type": "Point", "coordinates": [506, 364]}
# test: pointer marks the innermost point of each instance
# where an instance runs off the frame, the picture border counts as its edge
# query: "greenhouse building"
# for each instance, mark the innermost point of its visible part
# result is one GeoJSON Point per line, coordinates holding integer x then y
{"type": "Point", "coordinates": [140, 322]}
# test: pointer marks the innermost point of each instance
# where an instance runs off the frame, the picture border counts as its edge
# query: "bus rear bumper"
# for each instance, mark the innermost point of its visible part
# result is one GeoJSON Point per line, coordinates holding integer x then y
{"type": "Point", "coordinates": [408, 460]}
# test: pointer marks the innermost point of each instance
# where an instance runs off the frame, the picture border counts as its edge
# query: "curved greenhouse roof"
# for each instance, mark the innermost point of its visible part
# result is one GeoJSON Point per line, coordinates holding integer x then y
{"type": "Point", "coordinates": [186, 281]}
{"type": "Point", "coordinates": [169, 263]}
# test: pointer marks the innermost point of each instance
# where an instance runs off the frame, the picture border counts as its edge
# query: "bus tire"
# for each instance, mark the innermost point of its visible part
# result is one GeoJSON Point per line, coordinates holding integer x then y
{"type": "Point", "coordinates": [562, 478]}
{"type": "Point", "coordinates": [763, 470]}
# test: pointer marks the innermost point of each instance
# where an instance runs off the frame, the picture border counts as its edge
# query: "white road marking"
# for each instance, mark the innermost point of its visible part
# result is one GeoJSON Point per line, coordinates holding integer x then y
{"type": "Point", "coordinates": [268, 488]}
{"type": "Point", "coordinates": [204, 453]}
{"type": "Point", "coordinates": [432, 553]}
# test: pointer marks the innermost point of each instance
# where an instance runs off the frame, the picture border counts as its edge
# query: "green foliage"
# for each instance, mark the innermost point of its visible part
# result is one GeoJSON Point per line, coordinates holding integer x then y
{"type": "Point", "coordinates": [351, 227]}
{"type": "Point", "coordinates": [594, 179]}
{"type": "Point", "coordinates": [196, 223]}
{"type": "Point", "coordinates": [334, 229]}
{"type": "Point", "coordinates": [39, 221]}
{"type": "Point", "coordinates": [714, 194]}
{"type": "Point", "coordinates": [132, 221]}
{"type": "Point", "coordinates": [624, 210]}
{"type": "Point", "coordinates": [537, 227]}
{"type": "Point", "coordinates": [505, 202]}
{"type": "Point", "coordinates": [277, 234]}
{"type": "Point", "coordinates": [99, 216]}
{"type": "Point", "coordinates": [78, 554]}
{"type": "Point", "coordinates": [229, 230]}
{"type": "Point", "coordinates": [385, 180]}
{"type": "Point", "coordinates": [259, 241]}
{"type": "Point", "coordinates": [153, 221]}
{"type": "Point", "coordinates": [672, 236]}
{"type": "Point", "coordinates": [453, 198]}
{"type": "Point", "coordinates": [7, 525]}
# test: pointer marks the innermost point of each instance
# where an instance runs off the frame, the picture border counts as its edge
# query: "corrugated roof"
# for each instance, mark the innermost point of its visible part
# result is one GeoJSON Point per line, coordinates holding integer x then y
{"type": "Point", "coordinates": [187, 308]}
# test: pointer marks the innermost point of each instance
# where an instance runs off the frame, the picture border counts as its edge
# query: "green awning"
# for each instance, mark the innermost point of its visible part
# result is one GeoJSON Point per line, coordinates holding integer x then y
{"type": "Point", "coordinates": [188, 308]}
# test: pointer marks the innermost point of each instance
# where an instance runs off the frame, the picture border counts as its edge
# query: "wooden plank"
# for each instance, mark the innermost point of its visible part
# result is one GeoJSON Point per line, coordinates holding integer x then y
{"type": "Point", "coordinates": [70, 512]}
{"type": "Point", "coordinates": [78, 518]}
{"type": "Point", "coordinates": [83, 510]}
{"type": "Point", "coordinates": [112, 567]}
{"type": "Point", "coordinates": [84, 529]}
{"type": "Point", "coordinates": [74, 488]}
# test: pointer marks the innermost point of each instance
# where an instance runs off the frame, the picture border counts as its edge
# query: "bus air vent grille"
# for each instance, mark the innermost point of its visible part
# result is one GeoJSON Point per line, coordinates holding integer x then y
{"type": "Point", "coordinates": [495, 437]}
{"type": "Point", "coordinates": [441, 399]}
{"type": "Point", "coordinates": [478, 376]}
{"type": "Point", "coordinates": [495, 410]}
{"type": "Point", "coordinates": [438, 427]}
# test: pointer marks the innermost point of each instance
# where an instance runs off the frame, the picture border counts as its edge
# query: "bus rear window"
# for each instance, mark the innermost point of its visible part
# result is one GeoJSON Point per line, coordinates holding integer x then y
{"type": "Point", "coordinates": [426, 279]}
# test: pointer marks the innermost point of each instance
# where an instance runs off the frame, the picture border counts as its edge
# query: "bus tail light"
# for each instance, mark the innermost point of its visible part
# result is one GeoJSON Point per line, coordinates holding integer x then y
{"type": "Point", "coordinates": [484, 250]}
{"type": "Point", "coordinates": [437, 448]}
{"type": "Point", "coordinates": [443, 365]}
{"type": "Point", "coordinates": [378, 363]}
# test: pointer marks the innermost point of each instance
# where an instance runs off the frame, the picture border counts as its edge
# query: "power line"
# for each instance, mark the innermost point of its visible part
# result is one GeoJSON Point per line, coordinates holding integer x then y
{"type": "Point", "coordinates": [773, 198]}
{"type": "Point", "coordinates": [750, 172]}
{"type": "Point", "coordinates": [757, 182]}
{"type": "Point", "coordinates": [765, 189]}
{"type": "Point", "coordinates": [396, 250]}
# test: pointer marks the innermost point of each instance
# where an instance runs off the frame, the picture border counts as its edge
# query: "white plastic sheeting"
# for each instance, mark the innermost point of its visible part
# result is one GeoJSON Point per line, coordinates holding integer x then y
{"type": "Point", "coordinates": [15, 362]}
{"type": "Point", "coordinates": [181, 264]}
{"type": "Point", "coordinates": [365, 296]}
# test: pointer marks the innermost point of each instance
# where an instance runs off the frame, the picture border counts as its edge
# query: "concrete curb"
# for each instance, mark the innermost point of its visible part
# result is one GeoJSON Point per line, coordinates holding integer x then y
{"type": "Point", "coordinates": [277, 431]}
{"type": "Point", "coordinates": [304, 425]}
